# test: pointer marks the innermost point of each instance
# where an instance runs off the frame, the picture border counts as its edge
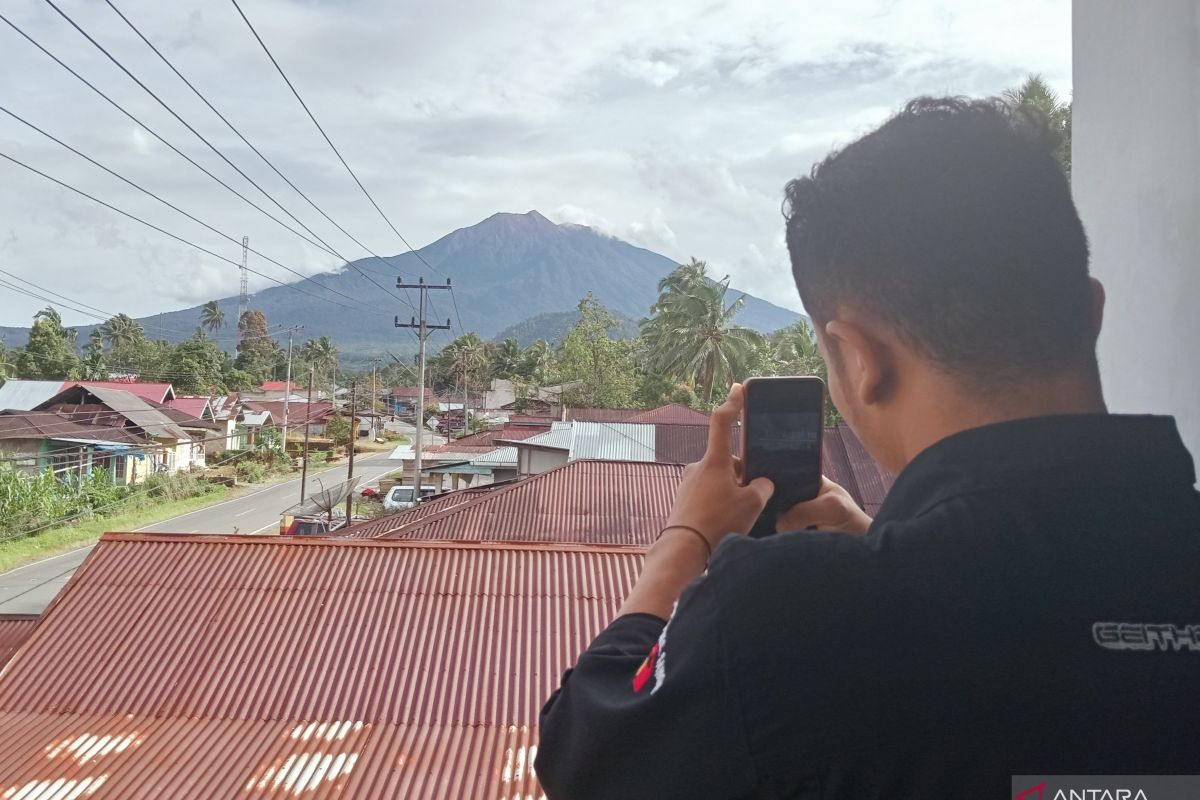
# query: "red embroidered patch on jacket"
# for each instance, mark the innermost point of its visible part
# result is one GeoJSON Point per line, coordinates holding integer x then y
{"type": "Point", "coordinates": [645, 670]}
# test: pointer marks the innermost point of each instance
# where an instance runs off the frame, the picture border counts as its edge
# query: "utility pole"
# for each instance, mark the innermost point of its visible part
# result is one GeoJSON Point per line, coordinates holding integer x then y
{"type": "Point", "coordinates": [423, 329]}
{"type": "Point", "coordinates": [312, 372]}
{"type": "Point", "coordinates": [350, 468]}
{"type": "Point", "coordinates": [287, 391]}
{"type": "Point", "coordinates": [374, 389]}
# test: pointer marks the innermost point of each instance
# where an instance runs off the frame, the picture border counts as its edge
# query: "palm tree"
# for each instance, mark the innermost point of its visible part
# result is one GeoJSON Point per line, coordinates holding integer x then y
{"type": "Point", "coordinates": [49, 314]}
{"type": "Point", "coordinates": [92, 366]}
{"type": "Point", "coordinates": [121, 332]}
{"type": "Point", "coordinates": [692, 335]}
{"type": "Point", "coordinates": [508, 358]}
{"type": "Point", "coordinates": [212, 318]}
{"type": "Point", "coordinates": [681, 280]}
{"type": "Point", "coordinates": [1035, 95]}
{"type": "Point", "coordinates": [322, 354]}
{"type": "Point", "coordinates": [795, 345]}
{"type": "Point", "coordinates": [537, 362]}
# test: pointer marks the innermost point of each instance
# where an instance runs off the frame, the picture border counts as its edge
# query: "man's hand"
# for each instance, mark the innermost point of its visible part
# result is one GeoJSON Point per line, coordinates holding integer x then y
{"type": "Point", "coordinates": [711, 498]}
{"type": "Point", "coordinates": [833, 509]}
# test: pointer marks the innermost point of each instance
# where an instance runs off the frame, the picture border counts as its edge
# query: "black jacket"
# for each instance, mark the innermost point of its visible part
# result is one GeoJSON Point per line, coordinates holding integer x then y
{"type": "Point", "coordinates": [1026, 602]}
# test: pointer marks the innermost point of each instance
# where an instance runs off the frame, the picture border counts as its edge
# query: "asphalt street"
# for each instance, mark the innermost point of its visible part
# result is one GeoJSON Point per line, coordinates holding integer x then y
{"type": "Point", "coordinates": [29, 589]}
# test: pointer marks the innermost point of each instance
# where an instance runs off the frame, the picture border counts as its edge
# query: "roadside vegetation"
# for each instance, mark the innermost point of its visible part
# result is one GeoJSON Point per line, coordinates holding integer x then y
{"type": "Point", "coordinates": [133, 514]}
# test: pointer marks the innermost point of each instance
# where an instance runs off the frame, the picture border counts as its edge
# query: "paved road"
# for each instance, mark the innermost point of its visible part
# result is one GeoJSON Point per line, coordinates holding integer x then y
{"type": "Point", "coordinates": [29, 589]}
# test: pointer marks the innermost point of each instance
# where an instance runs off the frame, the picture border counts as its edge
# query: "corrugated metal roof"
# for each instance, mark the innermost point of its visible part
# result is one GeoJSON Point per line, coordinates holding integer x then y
{"type": "Point", "coordinates": [23, 395]}
{"type": "Point", "coordinates": [500, 457]}
{"type": "Point", "coordinates": [14, 630]}
{"type": "Point", "coordinates": [254, 419]}
{"type": "Point", "coordinates": [673, 414]}
{"type": "Point", "coordinates": [585, 502]}
{"type": "Point", "coordinates": [128, 405]}
{"type": "Point", "coordinates": [266, 666]}
{"type": "Point", "coordinates": [194, 405]}
{"type": "Point", "coordinates": [619, 441]}
{"type": "Point", "coordinates": [158, 392]}
{"type": "Point", "coordinates": [602, 414]}
{"type": "Point", "coordinates": [558, 437]}
{"type": "Point", "coordinates": [428, 507]}
{"type": "Point", "coordinates": [870, 482]}
{"type": "Point", "coordinates": [48, 425]}
{"type": "Point", "coordinates": [685, 444]}
{"type": "Point", "coordinates": [297, 412]}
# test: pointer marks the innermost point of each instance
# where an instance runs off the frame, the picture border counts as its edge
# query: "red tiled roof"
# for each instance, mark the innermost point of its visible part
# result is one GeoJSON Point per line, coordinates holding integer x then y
{"type": "Point", "coordinates": [673, 414]}
{"type": "Point", "coordinates": [14, 630]}
{"type": "Point", "coordinates": [242, 665]}
{"type": "Point", "coordinates": [582, 502]}
{"type": "Point", "coordinates": [158, 392]}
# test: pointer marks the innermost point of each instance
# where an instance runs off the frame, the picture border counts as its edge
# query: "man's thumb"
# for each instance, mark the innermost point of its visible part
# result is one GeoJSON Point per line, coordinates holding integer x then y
{"type": "Point", "coordinates": [763, 487]}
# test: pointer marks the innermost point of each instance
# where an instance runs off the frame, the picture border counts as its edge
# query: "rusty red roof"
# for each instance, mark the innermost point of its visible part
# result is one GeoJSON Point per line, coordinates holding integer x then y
{"type": "Point", "coordinates": [846, 461]}
{"type": "Point", "coordinates": [272, 666]}
{"type": "Point", "coordinates": [585, 502]}
{"type": "Point", "coordinates": [602, 414]}
{"type": "Point", "coordinates": [194, 405]}
{"type": "Point", "coordinates": [316, 412]}
{"type": "Point", "coordinates": [673, 414]}
{"type": "Point", "coordinates": [489, 438]}
{"type": "Point", "coordinates": [280, 386]}
{"type": "Point", "coordinates": [375, 527]}
{"type": "Point", "coordinates": [14, 630]}
{"type": "Point", "coordinates": [50, 425]}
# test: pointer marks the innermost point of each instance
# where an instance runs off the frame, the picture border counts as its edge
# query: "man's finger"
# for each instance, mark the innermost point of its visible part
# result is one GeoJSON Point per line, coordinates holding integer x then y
{"type": "Point", "coordinates": [764, 488]}
{"type": "Point", "coordinates": [720, 426]}
{"type": "Point", "coordinates": [822, 510]}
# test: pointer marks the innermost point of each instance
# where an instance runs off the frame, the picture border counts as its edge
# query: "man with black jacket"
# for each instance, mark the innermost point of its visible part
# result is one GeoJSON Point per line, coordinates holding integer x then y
{"type": "Point", "coordinates": [1026, 601]}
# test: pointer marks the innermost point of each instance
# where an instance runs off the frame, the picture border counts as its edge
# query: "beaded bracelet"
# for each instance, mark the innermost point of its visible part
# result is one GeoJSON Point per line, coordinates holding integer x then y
{"type": "Point", "coordinates": [702, 537]}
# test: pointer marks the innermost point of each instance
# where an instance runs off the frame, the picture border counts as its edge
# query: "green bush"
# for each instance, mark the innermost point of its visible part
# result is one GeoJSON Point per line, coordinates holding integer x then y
{"type": "Point", "coordinates": [318, 458]}
{"type": "Point", "coordinates": [251, 472]}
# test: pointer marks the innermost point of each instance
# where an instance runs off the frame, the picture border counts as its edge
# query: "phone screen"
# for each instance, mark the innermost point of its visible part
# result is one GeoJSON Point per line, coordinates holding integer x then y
{"type": "Point", "coordinates": [782, 424]}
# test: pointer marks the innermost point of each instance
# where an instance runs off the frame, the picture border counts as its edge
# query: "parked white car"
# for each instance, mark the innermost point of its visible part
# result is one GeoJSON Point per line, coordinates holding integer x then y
{"type": "Point", "coordinates": [399, 498]}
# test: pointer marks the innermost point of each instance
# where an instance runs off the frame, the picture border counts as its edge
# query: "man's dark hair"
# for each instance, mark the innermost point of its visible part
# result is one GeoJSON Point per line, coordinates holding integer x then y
{"type": "Point", "coordinates": [953, 224]}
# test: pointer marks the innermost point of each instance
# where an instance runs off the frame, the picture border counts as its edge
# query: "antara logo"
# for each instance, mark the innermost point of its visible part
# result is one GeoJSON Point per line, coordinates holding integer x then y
{"type": "Point", "coordinates": [1038, 792]}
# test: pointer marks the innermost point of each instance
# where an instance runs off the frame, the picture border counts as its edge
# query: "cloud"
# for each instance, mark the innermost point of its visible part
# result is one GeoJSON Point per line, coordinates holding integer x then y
{"type": "Point", "coordinates": [673, 124]}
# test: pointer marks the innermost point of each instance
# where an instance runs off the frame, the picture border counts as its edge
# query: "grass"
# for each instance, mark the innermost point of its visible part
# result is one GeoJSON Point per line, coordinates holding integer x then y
{"type": "Point", "coordinates": [54, 541]}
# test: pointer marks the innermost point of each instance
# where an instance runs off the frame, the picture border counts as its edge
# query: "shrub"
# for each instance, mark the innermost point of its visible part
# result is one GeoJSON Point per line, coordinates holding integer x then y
{"type": "Point", "coordinates": [251, 472]}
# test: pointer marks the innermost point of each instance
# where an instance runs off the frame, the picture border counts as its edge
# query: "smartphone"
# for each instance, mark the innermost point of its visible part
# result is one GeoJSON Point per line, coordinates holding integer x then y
{"type": "Point", "coordinates": [782, 421]}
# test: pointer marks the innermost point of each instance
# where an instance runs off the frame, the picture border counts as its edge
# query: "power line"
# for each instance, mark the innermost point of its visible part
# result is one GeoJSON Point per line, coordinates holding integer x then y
{"type": "Point", "coordinates": [185, 124]}
{"type": "Point", "coordinates": [176, 208]}
{"type": "Point", "coordinates": [155, 134]}
{"type": "Point", "coordinates": [257, 152]}
{"type": "Point", "coordinates": [329, 141]}
{"type": "Point", "coordinates": [168, 233]}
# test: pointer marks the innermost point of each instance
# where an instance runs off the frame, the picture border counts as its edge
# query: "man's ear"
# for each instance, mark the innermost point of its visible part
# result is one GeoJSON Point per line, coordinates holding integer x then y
{"type": "Point", "coordinates": [867, 364]}
{"type": "Point", "coordinates": [1097, 290]}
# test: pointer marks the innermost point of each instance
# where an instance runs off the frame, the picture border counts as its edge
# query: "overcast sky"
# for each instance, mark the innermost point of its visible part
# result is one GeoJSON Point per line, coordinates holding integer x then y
{"type": "Point", "coordinates": [673, 124]}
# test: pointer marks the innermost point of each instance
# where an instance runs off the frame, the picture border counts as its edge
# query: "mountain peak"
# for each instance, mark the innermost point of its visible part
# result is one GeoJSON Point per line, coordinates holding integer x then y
{"type": "Point", "coordinates": [509, 222]}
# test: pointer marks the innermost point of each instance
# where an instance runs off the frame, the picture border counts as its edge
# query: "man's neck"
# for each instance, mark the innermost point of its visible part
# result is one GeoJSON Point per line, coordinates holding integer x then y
{"type": "Point", "coordinates": [941, 408]}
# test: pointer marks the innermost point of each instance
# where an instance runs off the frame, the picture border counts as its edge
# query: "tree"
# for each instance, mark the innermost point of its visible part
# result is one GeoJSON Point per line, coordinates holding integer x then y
{"type": "Point", "coordinates": [597, 370]}
{"type": "Point", "coordinates": [93, 367]}
{"type": "Point", "coordinates": [508, 358]}
{"type": "Point", "coordinates": [198, 366]}
{"type": "Point", "coordinates": [8, 361]}
{"type": "Point", "coordinates": [322, 356]}
{"type": "Point", "coordinates": [125, 337]}
{"type": "Point", "coordinates": [258, 354]}
{"type": "Point", "coordinates": [338, 430]}
{"type": "Point", "coordinates": [1036, 96]}
{"type": "Point", "coordinates": [691, 334]}
{"type": "Point", "coordinates": [50, 352]}
{"type": "Point", "coordinates": [212, 318]}
{"type": "Point", "coordinates": [537, 363]}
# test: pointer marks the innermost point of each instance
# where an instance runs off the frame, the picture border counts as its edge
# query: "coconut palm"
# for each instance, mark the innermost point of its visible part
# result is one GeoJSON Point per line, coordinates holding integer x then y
{"type": "Point", "coordinates": [537, 362]}
{"type": "Point", "coordinates": [212, 318]}
{"type": "Point", "coordinates": [692, 335]}
{"type": "Point", "coordinates": [1036, 95]}
{"type": "Point", "coordinates": [322, 354]}
{"type": "Point", "coordinates": [508, 358]}
{"type": "Point", "coordinates": [121, 333]}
